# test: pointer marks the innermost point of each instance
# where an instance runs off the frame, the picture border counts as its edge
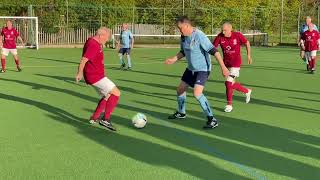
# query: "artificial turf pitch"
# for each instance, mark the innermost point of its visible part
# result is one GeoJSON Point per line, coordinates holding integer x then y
{"type": "Point", "coordinates": [45, 134]}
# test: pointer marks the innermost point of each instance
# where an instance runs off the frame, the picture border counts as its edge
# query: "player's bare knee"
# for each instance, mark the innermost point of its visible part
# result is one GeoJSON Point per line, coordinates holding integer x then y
{"type": "Point", "coordinates": [115, 91]}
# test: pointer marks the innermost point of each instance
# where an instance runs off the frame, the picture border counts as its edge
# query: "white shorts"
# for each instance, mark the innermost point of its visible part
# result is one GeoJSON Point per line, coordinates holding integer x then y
{"type": "Point", "coordinates": [233, 72]}
{"type": "Point", "coordinates": [6, 51]}
{"type": "Point", "coordinates": [309, 54]}
{"type": "Point", "coordinates": [104, 86]}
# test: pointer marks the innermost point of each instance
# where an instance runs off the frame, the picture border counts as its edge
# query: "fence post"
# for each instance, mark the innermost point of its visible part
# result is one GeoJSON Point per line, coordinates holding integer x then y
{"type": "Point", "coordinates": [211, 20]}
{"type": "Point", "coordinates": [318, 16]}
{"type": "Point", "coordinates": [164, 24]}
{"type": "Point", "coordinates": [100, 15]}
{"type": "Point", "coordinates": [240, 19]}
{"type": "Point", "coordinates": [299, 17]}
{"type": "Point", "coordinates": [281, 24]}
{"type": "Point", "coordinates": [133, 29]}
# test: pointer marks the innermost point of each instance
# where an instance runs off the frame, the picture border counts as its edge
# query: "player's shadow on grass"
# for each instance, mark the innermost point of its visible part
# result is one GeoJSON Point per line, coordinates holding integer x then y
{"type": "Point", "coordinates": [239, 98]}
{"type": "Point", "coordinates": [134, 148]}
{"type": "Point", "coordinates": [234, 153]}
{"type": "Point", "coordinates": [55, 60]}
{"type": "Point", "coordinates": [294, 165]}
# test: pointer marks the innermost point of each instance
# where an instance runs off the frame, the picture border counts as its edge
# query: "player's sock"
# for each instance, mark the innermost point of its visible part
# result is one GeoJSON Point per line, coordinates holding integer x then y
{"type": "Point", "coordinates": [129, 61]}
{"type": "Point", "coordinates": [110, 105]}
{"type": "Point", "coordinates": [313, 62]}
{"type": "Point", "coordinates": [204, 103]}
{"type": "Point", "coordinates": [229, 92]}
{"type": "Point", "coordinates": [3, 63]}
{"type": "Point", "coordinates": [181, 103]}
{"type": "Point", "coordinates": [17, 62]}
{"type": "Point", "coordinates": [121, 59]}
{"type": "Point", "coordinates": [100, 108]}
{"type": "Point", "coordinates": [237, 86]}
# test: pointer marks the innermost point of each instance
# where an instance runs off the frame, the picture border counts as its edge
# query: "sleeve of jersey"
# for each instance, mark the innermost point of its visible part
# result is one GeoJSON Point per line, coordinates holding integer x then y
{"type": "Point", "coordinates": [207, 45]}
{"type": "Point", "coordinates": [216, 42]}
{"type": "Point", "coordinates": [91, 52]}
{"type": "Point", "coordinates": [17, 33]}
{"type": "Point", "coordinates": [316, 28]}
{"type": "Point", "coordinates": [243, 39]}
{"type": "Point", "coordinates": [131, 35]}
{"type": "Point", "coordinates": [181, 46]}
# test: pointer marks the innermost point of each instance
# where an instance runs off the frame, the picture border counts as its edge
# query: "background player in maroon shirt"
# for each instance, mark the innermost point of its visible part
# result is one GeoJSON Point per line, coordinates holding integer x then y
{"type": "Point", "coordinates": [91, 68]}
{"type": "Point", "coordinates": [9, 35]}
{"type": "Point", "coordinates": [230, 43]}
{"type": "Point", "coordinates": [310, 43]}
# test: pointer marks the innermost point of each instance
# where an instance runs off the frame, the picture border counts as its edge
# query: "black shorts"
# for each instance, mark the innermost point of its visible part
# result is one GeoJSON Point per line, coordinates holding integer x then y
{"type": "Point", "coordinates": [198, 77]}
{"type": "Point", "coordinates": [124, 51]}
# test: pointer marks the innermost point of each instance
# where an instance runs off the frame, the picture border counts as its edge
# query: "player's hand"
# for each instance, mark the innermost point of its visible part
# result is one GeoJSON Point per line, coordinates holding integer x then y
{"type": "Point", "coordinates": [249, 60]}
{"type": "Point", "coordinates": [170, 60]}
{"type": "Point", "coordinates": [225, 72]}
{"type": "Point", "coordinates": [78, 77]}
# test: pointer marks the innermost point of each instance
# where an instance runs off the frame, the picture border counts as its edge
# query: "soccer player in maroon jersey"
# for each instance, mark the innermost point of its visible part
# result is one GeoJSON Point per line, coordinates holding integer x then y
{"type": "Point", "coordinates": [230, 43]}
{"type": "Point", "coordinates": [310, 43]}
{"type": "Point", "coordinates": [9, 35]}
{"type": "Point", "coordinates": [91, 68]}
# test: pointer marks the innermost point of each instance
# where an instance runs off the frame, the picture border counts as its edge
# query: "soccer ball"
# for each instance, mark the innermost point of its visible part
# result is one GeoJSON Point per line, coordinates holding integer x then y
{"type": "Point", "coordinates": [139, 120]}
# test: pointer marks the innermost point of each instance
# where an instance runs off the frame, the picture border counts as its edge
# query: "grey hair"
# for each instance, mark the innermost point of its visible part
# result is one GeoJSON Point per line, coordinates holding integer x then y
{"type": "Point", "coordinates": [103, 30]}
{"type": "Point", "coordinates": [227, 24]}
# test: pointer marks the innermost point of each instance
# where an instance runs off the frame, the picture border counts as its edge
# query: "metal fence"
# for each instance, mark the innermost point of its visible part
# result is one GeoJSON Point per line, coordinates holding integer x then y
{"type": "Point", "coordinates": [281, 23]}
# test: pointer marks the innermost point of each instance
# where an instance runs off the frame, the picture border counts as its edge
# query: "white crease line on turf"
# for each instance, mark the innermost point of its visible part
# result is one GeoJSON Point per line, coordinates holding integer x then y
{"type": "Point", "coordinates": [78, 65]}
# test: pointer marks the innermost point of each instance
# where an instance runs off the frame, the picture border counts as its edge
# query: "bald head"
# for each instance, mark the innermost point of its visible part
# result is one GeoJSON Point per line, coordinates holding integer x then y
{"type": "Point", "coordinates": [103, 35]}
{"type": "Point", "coordinates": [227, 29]}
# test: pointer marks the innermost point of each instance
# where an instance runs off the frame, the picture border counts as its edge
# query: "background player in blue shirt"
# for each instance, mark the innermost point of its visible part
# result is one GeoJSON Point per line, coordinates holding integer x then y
{"type": "Point", "coordinates": [197, 48]}
{"type": "Point", "coordinates": [303, 29]}
{"type": "Point", "coordinates": [126, 44]}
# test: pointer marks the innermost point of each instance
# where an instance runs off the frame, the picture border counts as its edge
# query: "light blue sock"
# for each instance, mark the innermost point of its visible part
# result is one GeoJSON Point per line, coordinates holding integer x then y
{"type": "Point", "coordinates": [129, 61]}
{"type": "Point", "coordinates": [121, 59]}
{"type": "Point", "coordinates": [204, 103]}
{"type": "Point", "coordinates": [182, 103]}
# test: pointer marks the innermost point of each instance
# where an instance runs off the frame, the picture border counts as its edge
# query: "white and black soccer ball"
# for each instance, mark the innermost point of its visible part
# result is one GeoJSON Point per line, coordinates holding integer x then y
{"type": "Point", "coordinates": [139, 120]}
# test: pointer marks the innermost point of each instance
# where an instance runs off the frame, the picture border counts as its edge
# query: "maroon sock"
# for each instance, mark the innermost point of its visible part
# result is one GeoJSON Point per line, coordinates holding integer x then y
{"type": "Point", "coordinates": [17, 62]}
{"type": "Point", "coordinates": [111, 104]}
{"type": "Point", "coordinates": [237, 86]}
{"type": "Point", "coordinates": [313, 63]}
{"type": "Point", "coordinates": [100, 108]}
{"type": "Point", "coordinates": [3, 64]}
{"type": "Point", "coordinates": [229, 92]}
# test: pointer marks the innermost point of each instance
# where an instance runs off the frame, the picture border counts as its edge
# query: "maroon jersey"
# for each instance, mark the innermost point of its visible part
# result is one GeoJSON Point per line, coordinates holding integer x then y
{"type": "Point", "coordinates": [94, 68]}
{"type": "Point", "coordinates": [231, 47]}
{"type": "Point", "coordinates": [310, 39]}
{"type": "Point", "coordinates": [9, 36]}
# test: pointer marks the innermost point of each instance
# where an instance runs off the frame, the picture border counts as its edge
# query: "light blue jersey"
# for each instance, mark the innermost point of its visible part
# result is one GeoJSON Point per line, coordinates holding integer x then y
{"type": "Point", "coordinates": [126, 38]}
{"type": "Point", "coordinates": [196, 48]}
{"type": "Point", "coordinates": [305, 28]}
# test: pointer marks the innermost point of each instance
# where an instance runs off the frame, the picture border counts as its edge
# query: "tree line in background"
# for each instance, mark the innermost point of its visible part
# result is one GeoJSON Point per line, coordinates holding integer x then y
{"type": "Point", "coordinates": [262, 15]}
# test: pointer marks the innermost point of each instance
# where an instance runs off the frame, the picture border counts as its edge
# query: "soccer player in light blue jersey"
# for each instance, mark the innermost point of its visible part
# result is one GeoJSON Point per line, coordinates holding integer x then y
{"type": "Point", "coordinates": [126, 44]}
{"type": "Point", "coordinates": [197, 48]}
{"type": "Point", "coordinates": [303, 29]}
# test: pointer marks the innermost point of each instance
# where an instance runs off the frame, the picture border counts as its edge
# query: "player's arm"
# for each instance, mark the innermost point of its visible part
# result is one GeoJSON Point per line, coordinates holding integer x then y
{"type": "Point", "coordinates": [20, 39]}
{"type": "Point", "coordinates": [132, 40]}
{"type": "Point", "coordinates": [175, 58]}
{"type": "Point", "coordinates": [301, 42]}
{"type": "Point", "coordinates": [208, 46]}
{"type": "Point", "coordinates": [83, 62]}
{"type": "Point", "coordinates": [248, 47]}
{"type": "Point", "coordinates": [1, 39]}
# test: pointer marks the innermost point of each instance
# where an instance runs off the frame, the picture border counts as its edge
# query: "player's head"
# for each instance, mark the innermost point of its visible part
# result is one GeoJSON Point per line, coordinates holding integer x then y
{"type": "Point", "coordinates": [310, 27]}
{"type": "Point", "coordinates": [9, 24]}
{"type": "Point", "coordinates": [308, 20]}
{"type": "Point", "coordinates": [184, 25]}
{"type": "Point", "coordinates": [227, 29]}
{"type": "Point", "coordinates": [124, 26]}
{"type": "Point", "coordinates": [103, 35]}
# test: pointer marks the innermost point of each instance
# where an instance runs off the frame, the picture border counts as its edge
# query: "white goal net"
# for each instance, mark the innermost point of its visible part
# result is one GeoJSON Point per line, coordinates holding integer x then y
{"type": "Point", "coordinates": [27, 28]}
